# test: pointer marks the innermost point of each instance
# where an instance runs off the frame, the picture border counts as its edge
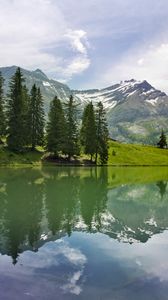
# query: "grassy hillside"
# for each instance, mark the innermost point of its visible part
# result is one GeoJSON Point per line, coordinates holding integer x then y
{"type": "Point", "coordinates": [119, 155]}
{"type": "Point", "coordinates": [127, 154]}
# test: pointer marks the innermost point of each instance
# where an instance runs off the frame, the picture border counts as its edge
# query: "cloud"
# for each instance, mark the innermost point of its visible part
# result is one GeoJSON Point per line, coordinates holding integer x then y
{"type": "Point", "coordinates": [76, 37]}
{"type": "Point", "coordinates": [35, 34]}
{"type": "Point", "coordinates": [78, 65]}
{"type": "Point", "coordinates": [150, 63]}
{"type": "Point", "coordinates": [66, 38]}
{"type": "Point", "coordinates": [79, 44]}
{"type": "Point", "coordinates": [121, 34]}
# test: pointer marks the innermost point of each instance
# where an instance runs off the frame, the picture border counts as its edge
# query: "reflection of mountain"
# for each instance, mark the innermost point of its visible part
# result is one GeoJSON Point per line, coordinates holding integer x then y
{"type": "Point", "coordinates": [41, 205]}
{"type": "Point", "coordinates": [139, 212]}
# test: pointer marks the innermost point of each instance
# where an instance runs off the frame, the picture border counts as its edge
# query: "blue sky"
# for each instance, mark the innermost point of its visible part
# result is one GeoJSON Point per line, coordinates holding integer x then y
{"type": "Point", "coordinates": [87, 43]}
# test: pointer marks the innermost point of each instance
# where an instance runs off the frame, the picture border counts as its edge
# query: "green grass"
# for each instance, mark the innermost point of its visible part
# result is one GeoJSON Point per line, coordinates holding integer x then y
{"type": "Point", "coordinates": [15, 159]}
{"type": "Point", "coordinates": [119, 155]}
{"type": "Point", "coordinates": [136, 155]}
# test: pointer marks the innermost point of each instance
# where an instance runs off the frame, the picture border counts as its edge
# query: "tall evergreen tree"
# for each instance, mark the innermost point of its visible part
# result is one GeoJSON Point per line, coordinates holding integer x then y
{"type": "Point", "coordinates": [16, 118]}
{"type": "Point", "coordinates": [26, 124]}
{"type": "Point", "coordinates": [88, 130]}
{"type": "Point", "coordinates": [162, 141]}
{"type": "Point", "coordinates": [56, 128]}
{"type": "Point", "coordinates": [101, 134]}
{"type": "Point", "coordinates": [36, 117]}
{"type": "Point", "coordinates": [72, 135]}
{"type": "Point", "coordinates": [2, 113]}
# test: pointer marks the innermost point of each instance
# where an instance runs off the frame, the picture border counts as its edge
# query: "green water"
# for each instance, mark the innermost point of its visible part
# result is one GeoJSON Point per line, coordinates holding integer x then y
{"type": "Point", "coordinates": [84, 233]}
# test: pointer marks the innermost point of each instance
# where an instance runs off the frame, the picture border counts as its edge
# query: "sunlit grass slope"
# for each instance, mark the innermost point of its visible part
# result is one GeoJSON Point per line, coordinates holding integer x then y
{"type": "Point", "coordinates": [136, 155]}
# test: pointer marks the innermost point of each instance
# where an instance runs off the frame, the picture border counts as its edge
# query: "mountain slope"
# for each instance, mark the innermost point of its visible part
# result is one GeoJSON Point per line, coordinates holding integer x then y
{"type": "Point", "coordinates": [49, 87]}
{"type": "Point", "coordinates": [136, 111]}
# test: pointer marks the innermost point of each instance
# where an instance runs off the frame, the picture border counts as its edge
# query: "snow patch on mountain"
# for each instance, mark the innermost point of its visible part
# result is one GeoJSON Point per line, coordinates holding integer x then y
{"type": "Point", "coordinates": [46, 83]}
{"type": "Point", "coordinates": [152, 101]}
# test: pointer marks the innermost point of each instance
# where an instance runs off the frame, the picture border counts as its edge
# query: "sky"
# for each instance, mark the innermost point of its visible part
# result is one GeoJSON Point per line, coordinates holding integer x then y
{"type": "Point", "coordinates": [87, 43]}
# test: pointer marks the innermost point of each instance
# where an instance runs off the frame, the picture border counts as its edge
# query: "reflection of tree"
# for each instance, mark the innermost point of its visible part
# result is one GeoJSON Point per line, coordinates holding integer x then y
{"type": "Point", "coordinates": [93, 196]}
{"type": "Point", "coordinates": [162, 187]}
{"type": "Point", "coordinates": [61, 200]}
{"type": "Point", "coordinates": [65, 196]}
{"type": "Point", "coordinates": [23, 211]}
{"type": "Point", "coordinates": [66, 190]}
{"type": "Point", "coordinates": [2, 207]}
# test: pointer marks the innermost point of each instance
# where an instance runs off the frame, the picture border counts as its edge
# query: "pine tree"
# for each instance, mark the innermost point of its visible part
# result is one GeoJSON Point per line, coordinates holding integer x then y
{"type": "Point", "coordinates": [101, 134]}
{"type": "Point", "coordinates": [162, 142]}
{"type": "Point", "coordinates": [2, 113]}
{"type": "Point", "coordinates": [40, 118]}
{"type": "Point", "coordinates": [88, 130]}
{"type": "Point", "coordinates": [16, 118]}
{"type": "Point", "coordinates": [36, 117]}
{"type": "Point", "coordinates": [26, 124]}
{"type": "Point", "coordinates": [72, 135]}
{"type": "Point", "coordinates": [56, 128]}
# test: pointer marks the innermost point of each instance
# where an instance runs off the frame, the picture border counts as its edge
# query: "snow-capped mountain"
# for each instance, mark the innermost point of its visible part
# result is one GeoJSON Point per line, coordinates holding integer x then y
{"type": "Point", "coordinates": [136, 111]}
{"type": "Point", "coordinates": [113, 95]}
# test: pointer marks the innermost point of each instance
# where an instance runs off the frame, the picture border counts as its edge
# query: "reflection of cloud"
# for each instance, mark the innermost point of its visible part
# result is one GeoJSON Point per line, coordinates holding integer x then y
{"type": "Point", "coordinates": [72, 286]}
{"type": "Point", "coordinates": [149, 259]}
{"type": "Point", "coordinates": [74, 256]}
{"type": "Point", "coordinates": [50, 254]}
{"type": "Point", "coordinates": [136, 193]}
{"type": "Point", "coordinates": [57, 254]}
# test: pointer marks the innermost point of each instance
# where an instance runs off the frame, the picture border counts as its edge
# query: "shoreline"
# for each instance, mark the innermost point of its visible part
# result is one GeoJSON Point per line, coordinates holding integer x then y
{"type": "Point", "coordinates": [120, 155]}
{"type": "Point", "coordinates": [37, 165]}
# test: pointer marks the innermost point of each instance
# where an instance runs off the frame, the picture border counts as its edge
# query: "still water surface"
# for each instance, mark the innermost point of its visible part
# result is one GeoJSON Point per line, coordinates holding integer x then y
{"type": "Point", "coordinates": [84, 233]}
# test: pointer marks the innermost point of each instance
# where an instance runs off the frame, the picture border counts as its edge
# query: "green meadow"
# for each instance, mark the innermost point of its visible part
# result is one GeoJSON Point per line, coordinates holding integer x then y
{"type": "Point", "coordinates": [119, 155]}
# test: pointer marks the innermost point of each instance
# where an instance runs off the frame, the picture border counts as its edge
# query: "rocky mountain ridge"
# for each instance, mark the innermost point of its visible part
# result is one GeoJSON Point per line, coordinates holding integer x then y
{"type": "Point", "coordinates": [136, 111]}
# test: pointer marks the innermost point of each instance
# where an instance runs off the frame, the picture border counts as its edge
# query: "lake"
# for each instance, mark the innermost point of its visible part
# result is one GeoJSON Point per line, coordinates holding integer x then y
{"type": "Point", "coordinates": [84, 233]}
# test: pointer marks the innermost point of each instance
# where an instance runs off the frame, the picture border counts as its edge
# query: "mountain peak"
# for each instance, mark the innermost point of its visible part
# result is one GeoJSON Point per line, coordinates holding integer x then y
{"type": "Point", "coordinates": [145, 85]}
{"type": "Point", "coordinates": [40, 73]}
{"type": "Point", "coordinates": [130, 81]}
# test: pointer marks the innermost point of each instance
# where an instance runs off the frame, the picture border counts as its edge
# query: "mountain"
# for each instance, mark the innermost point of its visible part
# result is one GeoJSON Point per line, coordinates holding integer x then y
{"type": "Point", "coordinates": [136, 111]}
{"type": "Point", "coordinates": [49, 87]}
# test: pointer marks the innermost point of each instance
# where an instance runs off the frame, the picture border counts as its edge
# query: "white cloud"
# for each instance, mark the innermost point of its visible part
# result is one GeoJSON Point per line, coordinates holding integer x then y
{"type": "Point", "coordinates": [78, 65]}
{"type": "Point", "coordinates": [150, 63]}
{"type": "Point", "coordinates": [32, 34]}
{"type": "Point", "coordinates": [79, 43]}
{"type": "Point", "coordinates": [76, 37]}
{"type": "Point", "coordinates": [53, 36]}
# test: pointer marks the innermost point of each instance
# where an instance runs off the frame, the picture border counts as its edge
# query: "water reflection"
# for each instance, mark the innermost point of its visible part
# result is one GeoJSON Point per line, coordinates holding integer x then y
{"type": "Point", "coordinates": [162, 185]}
{"type": "Point", "coordinates": [38, 206]}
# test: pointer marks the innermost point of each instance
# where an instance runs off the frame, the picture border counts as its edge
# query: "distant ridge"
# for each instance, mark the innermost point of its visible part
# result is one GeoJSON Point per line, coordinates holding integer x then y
{"type": "Point", "coordinates": [136, 111]}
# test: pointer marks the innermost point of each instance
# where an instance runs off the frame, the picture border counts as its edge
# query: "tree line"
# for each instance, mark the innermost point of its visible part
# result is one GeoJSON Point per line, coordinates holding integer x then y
{"type": "Point", "coordinates": [23, 124]}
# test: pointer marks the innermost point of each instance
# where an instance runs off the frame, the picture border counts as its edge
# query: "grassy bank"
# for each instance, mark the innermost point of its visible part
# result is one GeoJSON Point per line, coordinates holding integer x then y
{"type": "Point", "coordinates": [8, 158]}
{"type": "Point", "coordinates": [119, 155]}
{"type": "Point", "coordinates": [136, 155]}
